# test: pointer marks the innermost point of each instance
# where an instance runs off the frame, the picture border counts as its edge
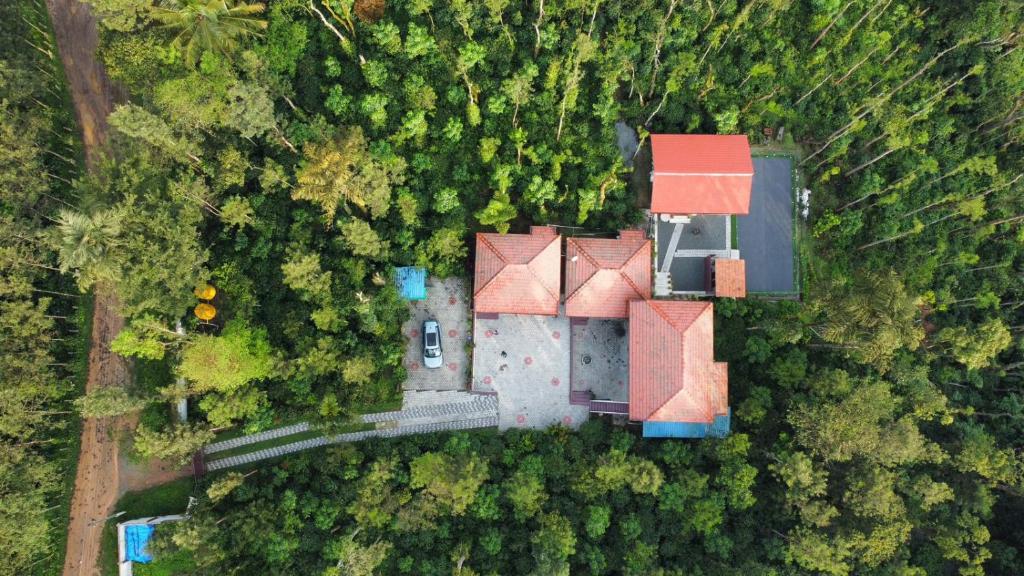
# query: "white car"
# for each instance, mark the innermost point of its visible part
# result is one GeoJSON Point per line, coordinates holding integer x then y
{"type": "Point", "coordinates": [432, 344]}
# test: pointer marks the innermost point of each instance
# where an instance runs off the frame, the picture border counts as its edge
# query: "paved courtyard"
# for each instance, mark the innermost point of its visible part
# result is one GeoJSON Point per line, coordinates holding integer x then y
{"type": "Point", "coordinates": [525, 360]}
{"type": "Point", "coordinates": [447, 302]}
{"type": "Point", "coordinates": [683, 247]}
{"type": "Point", "coordinates": [600, 359]}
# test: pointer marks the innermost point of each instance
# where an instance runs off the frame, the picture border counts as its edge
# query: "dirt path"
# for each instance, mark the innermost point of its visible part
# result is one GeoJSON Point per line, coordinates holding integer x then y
{"type": "Point", "coordinates": [98, 481]}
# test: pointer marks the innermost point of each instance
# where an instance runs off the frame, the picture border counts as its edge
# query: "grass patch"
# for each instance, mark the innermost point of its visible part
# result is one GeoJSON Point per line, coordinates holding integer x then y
{"type": "Point", "coordinates": [179, 562]}
{"type": "Point", "coordinates": [171, 498]}
{"type": "Point", "coordinates": [734, 236]}
{"type": "Point", "coordinates": [383, 406]}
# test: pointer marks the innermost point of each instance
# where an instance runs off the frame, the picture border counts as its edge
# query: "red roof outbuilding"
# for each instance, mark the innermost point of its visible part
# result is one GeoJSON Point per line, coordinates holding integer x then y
{"type": "Point", "coordinates": [603, 275]}
{"type": "Point", "coordinates": [730, 278]}
{"type": "Point", "coordinates": [518, 273]}
{"type": "Point", "coordinates": [701, 174]}
{"type": "Point", "coordinates": [673, 376]}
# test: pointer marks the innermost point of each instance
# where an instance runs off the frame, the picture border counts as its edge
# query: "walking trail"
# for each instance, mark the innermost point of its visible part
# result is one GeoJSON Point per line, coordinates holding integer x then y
{"type": "Point", "coordinates": [99, 480]}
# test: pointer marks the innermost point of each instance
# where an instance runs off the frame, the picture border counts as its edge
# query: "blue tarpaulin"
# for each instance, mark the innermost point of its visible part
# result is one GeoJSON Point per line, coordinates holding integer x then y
{"type": "Point", "coordinates": [412, 282]}
{"type": "Point", "coordinates": [717, 429]}
{"type": "Point", "coordinates": [136, 536]}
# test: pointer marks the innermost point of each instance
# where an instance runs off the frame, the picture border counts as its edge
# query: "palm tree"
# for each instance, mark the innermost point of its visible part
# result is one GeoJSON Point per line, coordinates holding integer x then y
{"type": "Point", "coordinates": [214, 25]}
{"type": "Point", "coordinates": [84, 245]}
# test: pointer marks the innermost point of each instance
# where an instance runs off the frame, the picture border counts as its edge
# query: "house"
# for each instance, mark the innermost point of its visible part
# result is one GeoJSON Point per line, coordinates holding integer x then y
{"type": "Point", "coordinates": [675, 386]}
{"type": "Point", "coordinates": [602, 275]}
{"type": "Point", "coordinates": [632, 352]}
{"type": "Point", "coordinates": [518, 273]}
{"type": "Point", "coordinates": [700, 183]}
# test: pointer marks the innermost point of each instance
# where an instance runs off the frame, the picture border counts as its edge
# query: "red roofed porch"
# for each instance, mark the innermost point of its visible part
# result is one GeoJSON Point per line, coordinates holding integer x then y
{"type": "Point", "coordinates": [701, 174]}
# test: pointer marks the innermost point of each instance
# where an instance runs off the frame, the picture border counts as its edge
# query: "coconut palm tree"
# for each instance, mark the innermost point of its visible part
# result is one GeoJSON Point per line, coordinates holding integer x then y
{"type": "Point", "coordinates": [214, 25]}
{"type": "Point", "coordinates": [84, 245]}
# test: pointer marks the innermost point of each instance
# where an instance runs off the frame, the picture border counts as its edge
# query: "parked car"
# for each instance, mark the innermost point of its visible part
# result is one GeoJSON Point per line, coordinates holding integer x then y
{"type": "Point", "coordinates": [432, 344]}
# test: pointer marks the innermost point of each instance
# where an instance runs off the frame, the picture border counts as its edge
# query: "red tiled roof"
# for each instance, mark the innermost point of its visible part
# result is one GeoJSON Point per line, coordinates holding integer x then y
{"type": "Point", "coordinates": [730, 278]}
{"type": "Point", "coordinates": [701, 174]}
{"type": "Point", "coordinates": [606, 274]}
{"type": "Point", "coordinates": [518, 273]}
{"type": "Point", "coordinates": [673, 376]}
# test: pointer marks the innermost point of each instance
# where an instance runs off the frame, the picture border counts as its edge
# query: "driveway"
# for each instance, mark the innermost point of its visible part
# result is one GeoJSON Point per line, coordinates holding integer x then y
{"type": "Point", "coordinates": [447, 303]}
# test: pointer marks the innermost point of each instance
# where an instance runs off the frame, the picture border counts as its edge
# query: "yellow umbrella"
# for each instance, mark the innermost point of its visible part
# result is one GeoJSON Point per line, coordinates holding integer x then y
{"type": "Point", "coordinates": [205, 312]}
{"type": "Point", "coordinates": [205, 292]}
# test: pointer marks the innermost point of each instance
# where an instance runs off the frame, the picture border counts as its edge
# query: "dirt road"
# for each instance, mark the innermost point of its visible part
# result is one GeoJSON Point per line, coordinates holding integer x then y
{"type": "Point", "coordinates": [97, 480]}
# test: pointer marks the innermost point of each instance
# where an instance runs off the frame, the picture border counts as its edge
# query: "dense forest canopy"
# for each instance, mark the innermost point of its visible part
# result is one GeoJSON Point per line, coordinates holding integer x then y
{"type": "Point", "coordinates": [293, 153]}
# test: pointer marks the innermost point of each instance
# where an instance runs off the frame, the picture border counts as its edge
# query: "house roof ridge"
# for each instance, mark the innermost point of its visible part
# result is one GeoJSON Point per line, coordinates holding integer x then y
{"type": "Point", "coordinates": [555, 238]}
{"type": "Point", "coordinates": [482, 236]}
{"type": "Point", "coordinates": [597, 267]}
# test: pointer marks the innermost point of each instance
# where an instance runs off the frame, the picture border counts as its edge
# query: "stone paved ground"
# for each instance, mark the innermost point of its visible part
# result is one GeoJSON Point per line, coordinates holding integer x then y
{"type": "Point", "coordinates": [525, 360]}
{"type": "Point", "coordinates": [606, 344]}
{"type": "Point", "coordinates": [447, 302]}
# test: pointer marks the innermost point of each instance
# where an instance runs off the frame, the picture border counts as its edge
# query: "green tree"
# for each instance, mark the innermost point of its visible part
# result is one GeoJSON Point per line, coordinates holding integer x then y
{"type": "Point", "coordinates": [227, 362]}
{"type": "Point", "coordinates": [109, 401]}
{"type": "Point", "coordinates": [84, 245]}
{"type": "Point", "coordinates": [343, 169]}
{"type": "Point", "coordinates": [363, 240]}
{"type": "Point", "coordinates": [209, 25]}
{"type": "Point", "coordinates": [553, 543]}
{"type": "Point", "coordinates": [977, 347]}
{"type": "Point", "coordinates": [177, 443]}
{"type": "Point", "coordinates": [225, 485]}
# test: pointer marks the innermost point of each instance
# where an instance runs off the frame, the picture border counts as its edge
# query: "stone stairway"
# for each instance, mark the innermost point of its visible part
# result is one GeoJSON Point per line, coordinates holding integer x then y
{"type": "Point", "coordinates": [256, 438]}
{"type": "Point", "coordinates": [278, 451]}
{"type": "Point", "coordinates": [422, 413]}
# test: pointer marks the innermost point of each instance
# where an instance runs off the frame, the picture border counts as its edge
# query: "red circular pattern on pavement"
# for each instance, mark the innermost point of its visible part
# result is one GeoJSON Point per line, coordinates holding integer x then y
{"type": "Point", "coordinates": [520, 419]}
{"type": "Point", "coordinates": [555, 381]}
{"type": "Point", "coordinates": [488, 380]}
{"type": "Point", "coordinates": [556, 334]}
{"type": "Point", "coordinates": [451, 300]}
{"type": "Point", "coordinates": [453, 366]}
{"type": "Point", "coordinates": [528, 360]}
{"type": "Point", "coordinates": [453, 333]}
{"type": "Point", "coordinates": [414, 366]}
{"type": "Point", "coordinates": [567, 420]}
{"type": "Point", "coordinates": [414, 333]}
{"type": "Point", "coordinates": [489, 333]}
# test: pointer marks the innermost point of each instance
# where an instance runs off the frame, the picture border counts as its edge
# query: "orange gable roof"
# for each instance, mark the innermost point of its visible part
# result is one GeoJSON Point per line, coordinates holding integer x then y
{"type": "Point", "coordinates": [673, 376]}
{"type": "Point", "coordinates": [701, 174]}
{"type": "Point", "coordinates": [603, 275]}
{"type": "Point", "coordinates": [518, 273]}
{"type": "Point", "coordinates": [730, 278]}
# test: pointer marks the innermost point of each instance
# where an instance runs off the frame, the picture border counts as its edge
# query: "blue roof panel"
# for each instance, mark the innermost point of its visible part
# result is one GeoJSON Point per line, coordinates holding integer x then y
{"type": "Point", "coordinates": [411, 282]}
{"type": "Point", "coordinates": [717, 429]}
{"type": "Point", "coordinates": [136, 536]}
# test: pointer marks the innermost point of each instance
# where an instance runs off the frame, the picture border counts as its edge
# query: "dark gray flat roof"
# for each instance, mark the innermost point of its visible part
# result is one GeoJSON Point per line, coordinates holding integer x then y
{"type": "Point", "coordinates": [766, 235]}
